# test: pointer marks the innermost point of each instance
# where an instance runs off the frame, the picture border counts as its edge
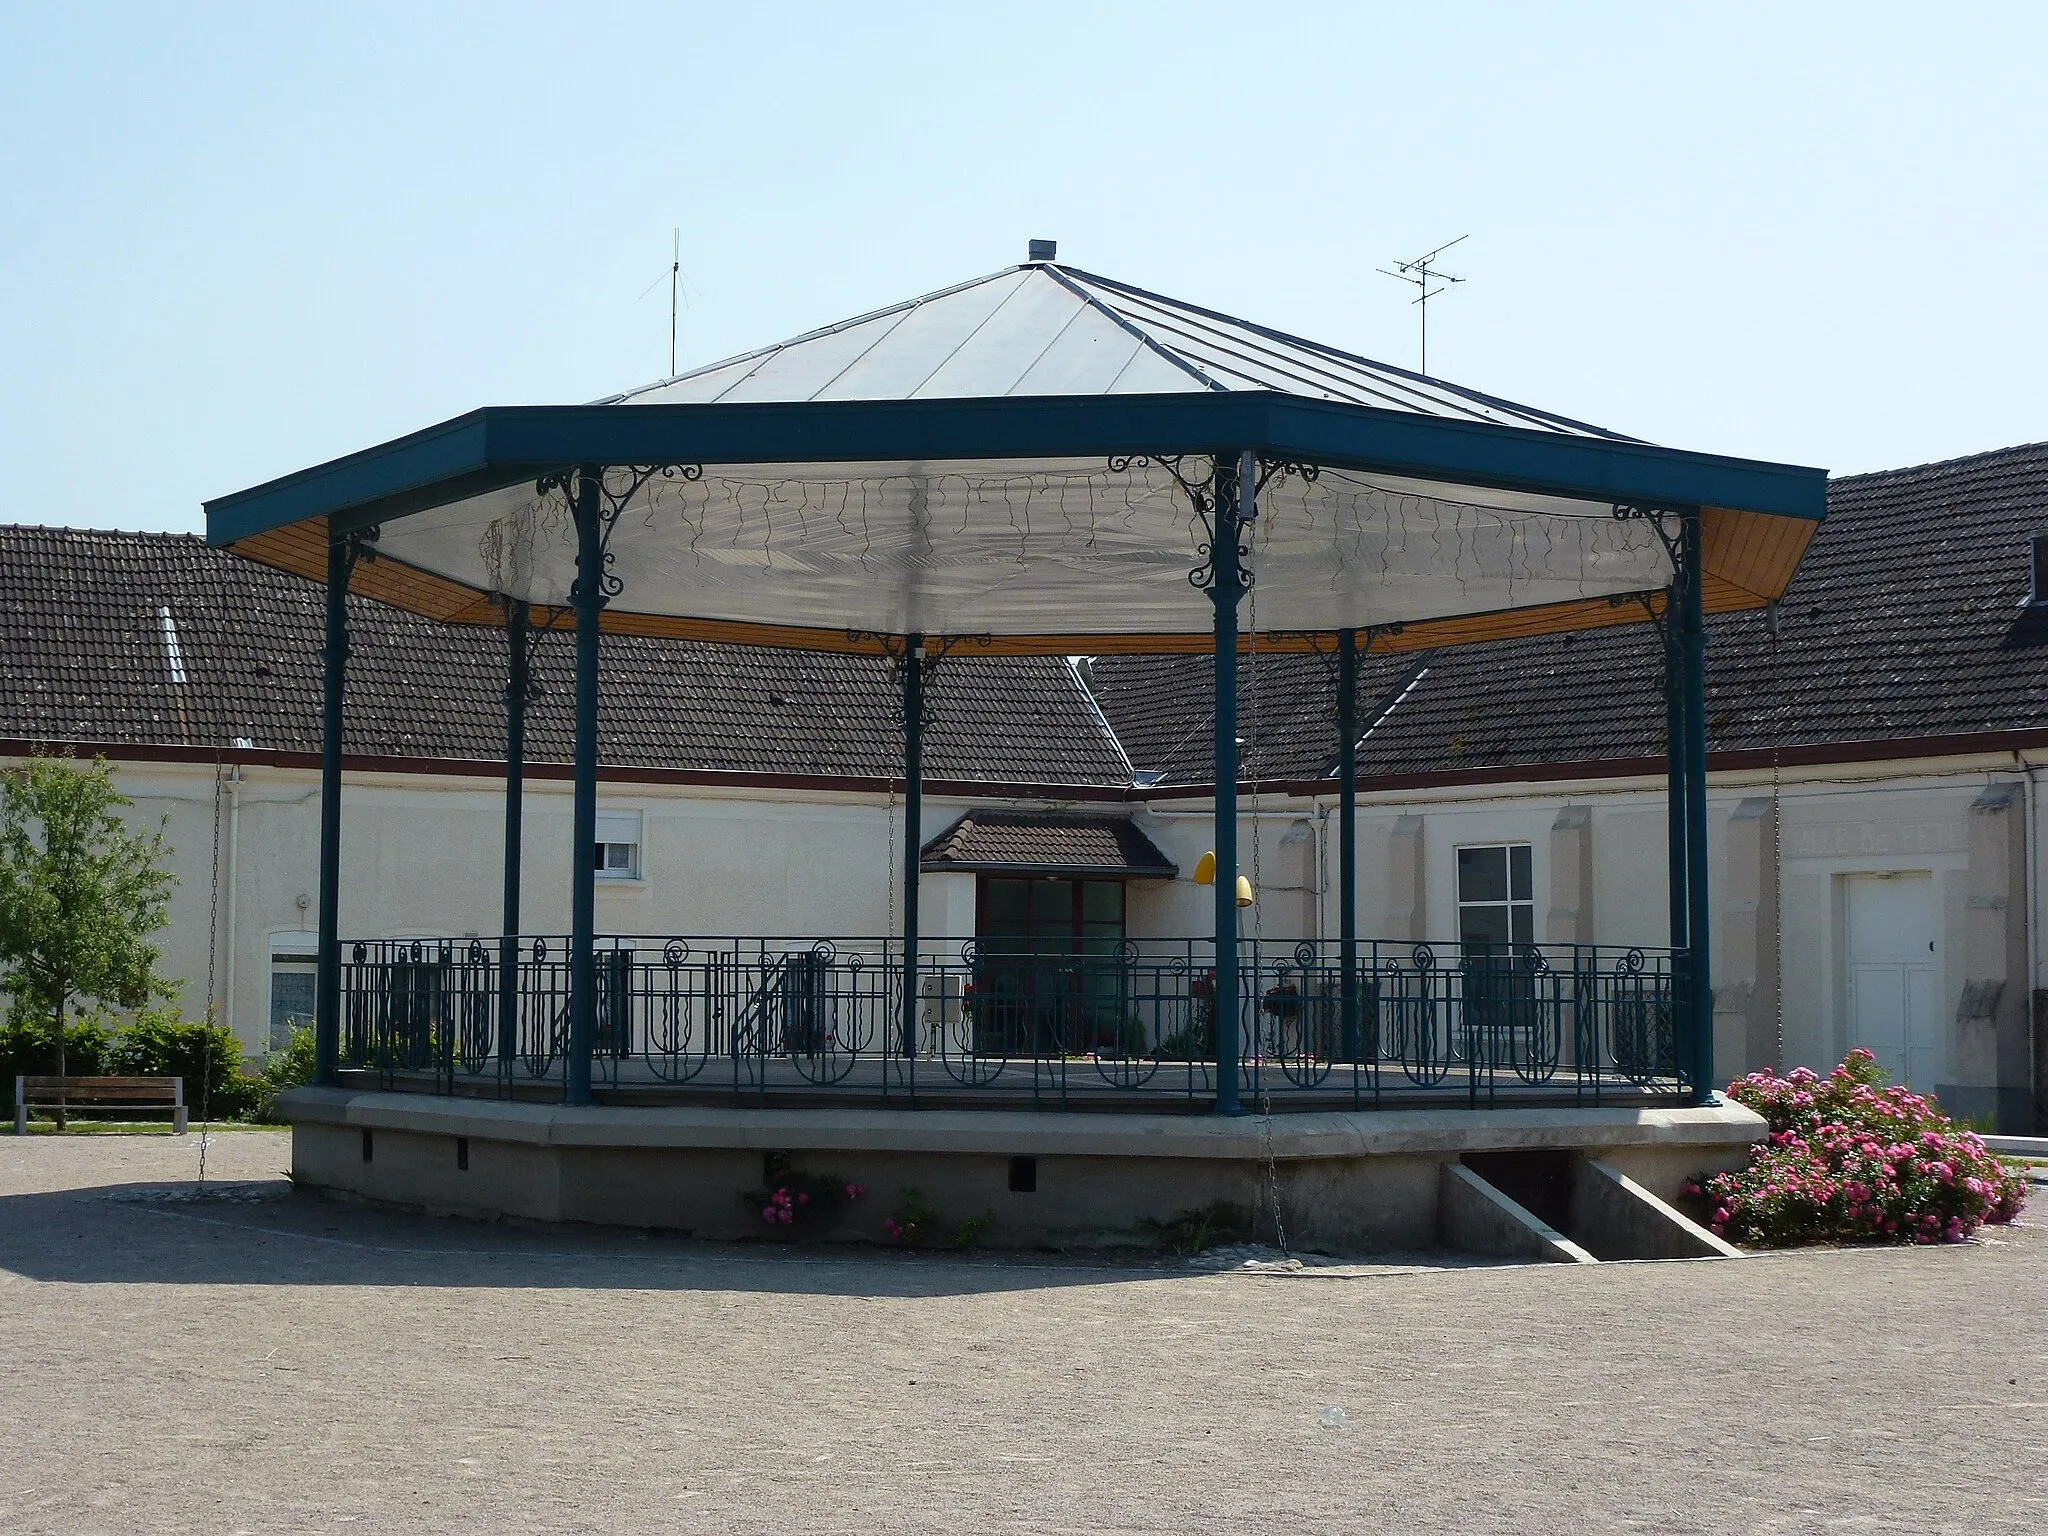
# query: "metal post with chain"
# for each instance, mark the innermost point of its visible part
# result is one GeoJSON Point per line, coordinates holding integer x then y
{"type": "Point", "coordinates": [1256, 712]}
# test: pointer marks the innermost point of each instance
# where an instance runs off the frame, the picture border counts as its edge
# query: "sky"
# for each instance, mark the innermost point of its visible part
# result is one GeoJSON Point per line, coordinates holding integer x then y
{"type": "Point", "coordinates": [236, 240]}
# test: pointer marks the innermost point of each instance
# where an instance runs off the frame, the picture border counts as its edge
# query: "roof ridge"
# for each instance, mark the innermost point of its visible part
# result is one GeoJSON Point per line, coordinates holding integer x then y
{"type": "Point", "coordinates": [2015, 451]}
{"type": "Point", "coordinates": [1125, 323]}
{"type": "Point", "coordinates": [165, 535]}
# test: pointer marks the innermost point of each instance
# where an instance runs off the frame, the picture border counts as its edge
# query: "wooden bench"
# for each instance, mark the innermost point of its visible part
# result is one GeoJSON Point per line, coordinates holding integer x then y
{"type": "Point", "coordinates": [49, 1092]}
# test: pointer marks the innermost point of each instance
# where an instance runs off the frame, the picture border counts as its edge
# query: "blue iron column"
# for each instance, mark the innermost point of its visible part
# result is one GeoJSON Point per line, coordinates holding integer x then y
{"type": "Point", "coordinates": [913, 812]}
{"type": "Point", "coordinates": [1236, 484]}
{"type": "Point", "coordinates": [1674, 757]}
{"type": "Point", "coordinates": [1692, 639]}
{"type": "Point", "coordinates": [516, 688]}
{"type": "Point", "coordinates": [334, 675]}
{"type": "Point", "coordinates": [1347, 837]}
{"type": "Point", "coordinates": [588, 595]}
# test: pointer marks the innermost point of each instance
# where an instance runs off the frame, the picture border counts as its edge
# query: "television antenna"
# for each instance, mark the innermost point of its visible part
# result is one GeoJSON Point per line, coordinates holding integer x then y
{"type": "Point", "coordinates": [675, 273]}
{"type": "Point", "coordinates": [1420, 273]}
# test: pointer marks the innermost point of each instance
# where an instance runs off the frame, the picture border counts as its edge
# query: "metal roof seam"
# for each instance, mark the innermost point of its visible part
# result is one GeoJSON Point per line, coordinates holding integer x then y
{"type": "Point", "coordinates": [1184, 364]}
{"type": "Point", "coordinates": [1051, 342]}
{"type": "Point", "coordinates": [1176, 322]}
{"type": "Point", "coordinates": [1391, 368]}
{"type": "Point", "coordinates": [855, 361]}
{"type": "Point", "coordinates": [810, 335]}
{"type": "Point", "coordinates": [916, 390]}
{"type": "Point", "coordinates": [1371, 381]}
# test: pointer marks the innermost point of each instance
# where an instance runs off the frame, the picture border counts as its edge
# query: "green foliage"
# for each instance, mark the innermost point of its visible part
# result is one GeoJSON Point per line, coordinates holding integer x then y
{"type": "Point", "coordinates": [1193, 1231]}
{"type": "Point", "coordinates": [161, 1044]}
{"type": "Point", "coordinates": [291, 1067]}
{"type": "Point", "coordinates": [914, 1224]}
{"type": "Point", "coordinates": [27, 1050]}
{"type": "Point", "coordinates": [81, 894]}
{"type": "Point", "coordinates": [971, 1231]}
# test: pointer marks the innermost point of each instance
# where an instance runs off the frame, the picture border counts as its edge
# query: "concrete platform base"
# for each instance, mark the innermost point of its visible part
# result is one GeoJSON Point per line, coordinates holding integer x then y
{"type": "Point", "coordinates": [1341, 1183]}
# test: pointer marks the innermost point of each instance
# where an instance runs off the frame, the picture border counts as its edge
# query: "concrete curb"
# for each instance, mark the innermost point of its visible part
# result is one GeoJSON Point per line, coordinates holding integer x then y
{"type": "Point", "coordinates": [2018, 1146]}
{"type": "Point", "coordinates": [1364, 1133]}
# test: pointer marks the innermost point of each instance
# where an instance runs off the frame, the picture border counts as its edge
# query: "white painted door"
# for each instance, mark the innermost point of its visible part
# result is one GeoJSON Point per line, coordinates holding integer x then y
{"type": "Point", "coordinates": [1891, 976]}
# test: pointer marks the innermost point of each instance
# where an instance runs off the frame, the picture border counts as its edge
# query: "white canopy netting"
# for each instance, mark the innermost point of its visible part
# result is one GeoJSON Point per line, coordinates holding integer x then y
{"type": "Point", "coordinates": [1049, 549]}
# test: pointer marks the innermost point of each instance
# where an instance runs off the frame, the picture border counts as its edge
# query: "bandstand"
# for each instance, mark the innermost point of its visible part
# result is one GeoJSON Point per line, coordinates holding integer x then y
{"type": "Point", "coordinates": [1039, 462]}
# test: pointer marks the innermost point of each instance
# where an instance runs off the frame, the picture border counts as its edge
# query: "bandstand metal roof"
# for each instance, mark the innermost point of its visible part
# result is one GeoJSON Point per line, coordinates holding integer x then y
{"type": "Point", "coordinates": [1004, 460]}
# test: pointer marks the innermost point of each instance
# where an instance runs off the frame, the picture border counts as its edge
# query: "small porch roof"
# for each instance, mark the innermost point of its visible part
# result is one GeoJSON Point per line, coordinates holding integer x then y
{"type": "Point", "coordinates": [1046, 843]}
{"type": "Point", "coordinates": [1003, 461]}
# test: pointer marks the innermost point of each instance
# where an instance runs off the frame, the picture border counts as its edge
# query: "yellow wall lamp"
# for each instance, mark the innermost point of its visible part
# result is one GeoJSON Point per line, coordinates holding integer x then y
{"type": "Point", "coordinates": [1205, 874]}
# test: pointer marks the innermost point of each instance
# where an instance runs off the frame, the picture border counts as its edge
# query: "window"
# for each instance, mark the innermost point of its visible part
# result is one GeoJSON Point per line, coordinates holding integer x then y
{"type": "Point", "coordinates": [291, 994]}
{"type": "Point", "coordinates": [1496, 896]}
{"type": "Point", "coordinates": [617, 854]}
{"type": "Point", "coordinates": [1050, 916]}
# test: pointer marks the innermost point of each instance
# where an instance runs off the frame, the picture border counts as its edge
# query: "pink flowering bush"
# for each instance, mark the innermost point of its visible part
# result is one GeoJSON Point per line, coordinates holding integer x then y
{"type": "Point", "coordinates": [1852, 1160]}
{"type": "Point", "coordinates": [793, 1198]}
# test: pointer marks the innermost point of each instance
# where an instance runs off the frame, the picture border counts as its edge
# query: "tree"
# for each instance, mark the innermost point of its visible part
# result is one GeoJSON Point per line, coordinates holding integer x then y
{"type": "Point", "coordinates": [81, 895]}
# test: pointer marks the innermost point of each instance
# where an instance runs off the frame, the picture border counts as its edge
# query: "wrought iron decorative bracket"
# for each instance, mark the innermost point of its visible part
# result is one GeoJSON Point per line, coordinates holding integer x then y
{"type": "Point", "coordinates": [1659, 614]}
{"type": "Point", "coordinates": [536, 631]}
{"type": "Point", "coordinates": [1201, 492]}
{"type": "Point", "coordinates": [1322, 644]}
{"type": "Point", "coordinates": [610, 504]}
{"type": "Point", "coordinates": [1666, 522]}
{"type": "Point", "coordinates": [896, 649]}
{"type": "Point", "coordinates": [358, 544]}
{"type": "Point", "coordinates": [1282, 469]}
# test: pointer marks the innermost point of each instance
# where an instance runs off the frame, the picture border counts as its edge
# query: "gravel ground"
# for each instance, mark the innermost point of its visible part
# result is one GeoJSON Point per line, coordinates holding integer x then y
{"type": "Point", "coordinates": [275, 1362]}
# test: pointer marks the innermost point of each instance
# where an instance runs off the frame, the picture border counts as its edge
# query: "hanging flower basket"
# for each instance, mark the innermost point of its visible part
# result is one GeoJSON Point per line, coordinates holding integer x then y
{"type": "Point", "coordinates": [1283, 1000]}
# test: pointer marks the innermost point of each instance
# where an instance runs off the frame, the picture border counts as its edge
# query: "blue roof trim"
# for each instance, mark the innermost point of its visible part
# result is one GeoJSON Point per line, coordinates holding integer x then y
{"type": "Point", "coordinates": [500, 445]}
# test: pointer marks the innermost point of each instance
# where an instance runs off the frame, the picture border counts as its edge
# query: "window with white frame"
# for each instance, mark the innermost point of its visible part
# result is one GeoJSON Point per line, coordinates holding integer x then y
{"type": "Point", "coordinates": [1496, 895]}
{"type": "Point", "coordinates": [617, 854]}
{"type": "Point", "coordinates": [293, 967]}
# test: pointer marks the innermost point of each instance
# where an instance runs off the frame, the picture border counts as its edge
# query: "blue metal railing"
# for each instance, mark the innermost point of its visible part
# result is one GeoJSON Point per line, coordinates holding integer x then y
{"type": "Point", "coordinates": [1129, 1023]}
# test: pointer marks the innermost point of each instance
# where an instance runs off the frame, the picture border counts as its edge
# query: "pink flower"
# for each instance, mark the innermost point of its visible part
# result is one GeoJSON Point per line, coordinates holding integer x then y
{"type": "Point", "coordinates": [768, 1213]}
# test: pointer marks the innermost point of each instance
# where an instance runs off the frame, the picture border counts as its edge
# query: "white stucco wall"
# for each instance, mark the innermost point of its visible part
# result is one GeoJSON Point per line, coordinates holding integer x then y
{"type": "Point", "coordinates": [422, 856]}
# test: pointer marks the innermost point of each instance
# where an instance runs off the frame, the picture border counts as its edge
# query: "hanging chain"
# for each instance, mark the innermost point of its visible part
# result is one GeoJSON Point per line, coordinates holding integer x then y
{"type": "Point", "coordinates": [889, 821]}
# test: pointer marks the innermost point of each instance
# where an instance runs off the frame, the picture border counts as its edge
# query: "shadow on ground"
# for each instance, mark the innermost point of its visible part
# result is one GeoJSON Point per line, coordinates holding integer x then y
{"type": "Point", "coordinates": [266, 1233]}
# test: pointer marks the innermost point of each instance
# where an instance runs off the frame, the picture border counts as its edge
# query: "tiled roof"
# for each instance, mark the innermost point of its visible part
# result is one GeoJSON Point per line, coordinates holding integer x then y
{"type": "Point", "coordinates": [1032, 842]}
{"type": "Point", "coordinates": [84, 657]}
{"type": "Point", "coordinates": [1907, 618]}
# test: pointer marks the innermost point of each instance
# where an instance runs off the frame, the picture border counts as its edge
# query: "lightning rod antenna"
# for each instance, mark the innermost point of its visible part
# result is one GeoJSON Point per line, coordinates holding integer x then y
{"type": "Point", "coordinates": [675, 270]}
{"type": "Point", "coordinates": [1421, 274]}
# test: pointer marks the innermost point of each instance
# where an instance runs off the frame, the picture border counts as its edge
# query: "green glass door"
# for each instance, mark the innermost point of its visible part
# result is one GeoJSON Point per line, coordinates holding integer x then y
{"type": "Point", "coordinates": [1050, 979]}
